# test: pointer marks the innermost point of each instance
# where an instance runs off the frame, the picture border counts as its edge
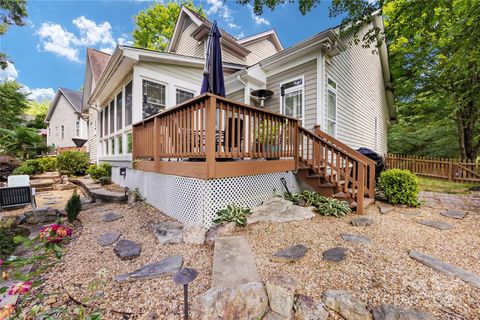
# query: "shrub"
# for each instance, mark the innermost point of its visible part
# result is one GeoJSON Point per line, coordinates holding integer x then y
{"type": "Point", "coordinates": [73, 207]}
{"type": "Point", "coordinates": [72, 162]}
{"type": "Point", "coordinates": [293, 197]}
{"type": "Point", "coordinates": [105, 180]}
{"type": "Point", "coordinates": [333, 207]}
{"type": "Point", "coordinates": [24, 169]}
{"type": "Point", "coordinates": [313, 198]}
{"type": "Point", "coordinates": [35, 163]}
{"type": "Point", "coordinates": [99, 171]}
{"type": "Point", "coordinates": [7, 165]}
{"type": "Point", "coordinates": [233, 213]}
{"type": "Point", "coordinates": [7, 245]}
{"type": "Point", "coordinates": [47, 164]}
{"type": "Point", "coordinates": [400, 187]}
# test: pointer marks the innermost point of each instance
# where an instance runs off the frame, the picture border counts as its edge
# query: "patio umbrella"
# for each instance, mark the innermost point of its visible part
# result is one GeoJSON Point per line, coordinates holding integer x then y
{"type": "Point", "coordinates": [213, 72]}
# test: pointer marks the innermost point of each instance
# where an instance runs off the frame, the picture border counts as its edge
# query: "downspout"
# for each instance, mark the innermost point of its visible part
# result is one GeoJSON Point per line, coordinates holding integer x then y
{"type": "Point", "coordinates": [246, 97]}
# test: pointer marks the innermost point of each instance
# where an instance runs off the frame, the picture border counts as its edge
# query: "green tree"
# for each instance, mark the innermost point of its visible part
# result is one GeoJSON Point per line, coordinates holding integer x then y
{"type": "Point", "coordinates": [12, 12]}
{"type": "Point", "coordinates": [37, 110]}
{"type": "Point", "coordinates": [13, 104]}
{"type": "Point", "coordinates": [21, 142]}
{"type": "Point", "coordinates": [155, 25]}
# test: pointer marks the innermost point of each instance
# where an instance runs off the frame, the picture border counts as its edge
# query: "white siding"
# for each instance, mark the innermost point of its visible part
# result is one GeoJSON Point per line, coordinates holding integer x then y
{"type": "Point", "coordinates": [237, 95]}
{"type": "Point", "coordinates": [360, 97]}
{"type": "Point", "coordinates": [259, 50]}
{"type": "Point", "coordinates": [64, 115]}
{"type": "Point", "coordinates": [92, 134]}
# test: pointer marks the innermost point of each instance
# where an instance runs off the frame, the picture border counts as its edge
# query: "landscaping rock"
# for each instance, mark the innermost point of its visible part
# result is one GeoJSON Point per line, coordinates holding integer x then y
{"type": "Point", "coordinates": [40, 215]}
{"type": "Point", "coordinates": [219, 230]}
{"type": "Point", "coordinates": [335, 254]}
{"type": "Point", "coordinates": [168, 232]}
{"type": "Point", "coordinates": [392, 312]}
{"type": "Point", "coordinates": [272, 315]}
{"type": "Point", "coordinates": [108, 196]}
{"type": "Point", "coordinates": [467, 276]}
{"type": "Point", "coordinates": [348, 306]}
{"type": "Point", "coordinates": [308, 309]}
{"type": "Point", "coordinates": [246, 301]}
{"type": "Point", "coordinates": [281, 291]}
{"type": "Point", "coordinates": [194, 234]}
{"type": "Point", "coordinates": [410, 212]}
{"type": "Point", "coordinates": [362, 222]}
{"type": "Point", "coordinates": [279, 210]}
{"type": "Point", "coordinates": [108, 238]}
{"type": "Point", "coordinates": [358, 238]}
{"type": "Point", "coordinates": [293, 253]}
{"type": "Point", "coordinates": [437, 224]}
{"type": "Point", "coordinates": [385, 209]}
{"type": "Point", "coordinates": [166, 267]}
{"type": "Point", "coordinates": [455, 214]}
{"type": "Point", "coordinates": [127, 249]}
{"type": "Point", "coordinates": [111, 216]}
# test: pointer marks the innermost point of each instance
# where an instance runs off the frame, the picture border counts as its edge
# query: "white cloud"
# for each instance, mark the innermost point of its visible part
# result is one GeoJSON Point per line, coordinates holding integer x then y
{"type": "Point", "coordinates": [124, 39]}
{"type": "Point", "coordinates": [215, 6]}
{"type": "Point", "coordinates": [9, 73]}
{"type": "Point", "coordinates": [257, 19]}
{"type": "Point", "coordinates": [41, 94]}
{"type": "Point", "coordinates": [55, 38]}
{"type": "Point", "coordinates": [221, 8]}
{"type": "Point", "coordinates": [241, 35]}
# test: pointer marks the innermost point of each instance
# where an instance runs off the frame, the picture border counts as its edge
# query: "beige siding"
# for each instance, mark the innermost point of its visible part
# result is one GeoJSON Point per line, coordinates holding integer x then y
{"type": "Point", "coordinates": [92, 134]}
{"type": "Point", "coordinates": [360, 97]}
{"type": "Point", "coordinates": [309, 71]}
{"type": "Point", "coordinates": [229, 56]}
{"type": "Point", "coordinates": [237, 95]}
{"type": "Point", "coordinates": [187, 45]}
{"type": "Point", "coordinates": [63, 115]}
{"type": "Point", "coordinates": [261, 49]}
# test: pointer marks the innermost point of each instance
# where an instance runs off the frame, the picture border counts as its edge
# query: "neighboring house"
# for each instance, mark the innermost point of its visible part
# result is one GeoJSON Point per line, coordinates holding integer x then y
{"type": "Point", "coordinates": [324, 81]}
{"type": "Point", "coordinates": [64, 120]}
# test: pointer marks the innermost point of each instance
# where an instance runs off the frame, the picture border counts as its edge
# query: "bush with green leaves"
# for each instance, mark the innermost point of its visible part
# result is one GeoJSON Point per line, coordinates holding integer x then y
{"type": "Point", "coordinates": [73, 163]}
{"type": "Point", "coordinates": [99, 171]}
{"type": "Point", "coordinates": [233, 213]}
{"type": "Point", "coordinates": [333, 207]}
{"type": "Point", "coordinates": [24, 169]}
{"type": "Point", "coordinates": [73, 207]}
{"type": "Point", "coordinates": [293, 197]}
{"type": "Point", "coordinates": [400, 187]}
{"type": "Point", "coordinates": [47, 164]}
{"type": "Point", "coordinates": [312, 198]}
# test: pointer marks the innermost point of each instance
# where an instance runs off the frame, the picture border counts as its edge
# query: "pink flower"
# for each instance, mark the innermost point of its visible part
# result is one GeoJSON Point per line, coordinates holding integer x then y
{"type": "Point", "coordinates": [1, 262]}
{"type": "Point", "coordinates": [20, 288]}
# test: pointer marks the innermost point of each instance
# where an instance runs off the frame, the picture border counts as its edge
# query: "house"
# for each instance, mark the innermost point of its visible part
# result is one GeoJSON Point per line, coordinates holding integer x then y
{"type": "Point", "coordinates": [64, 120]}
{"type": "Point", "coordinates": [190, 155]}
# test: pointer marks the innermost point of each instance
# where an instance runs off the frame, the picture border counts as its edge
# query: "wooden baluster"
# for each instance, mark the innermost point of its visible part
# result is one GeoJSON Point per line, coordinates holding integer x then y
{"type": "Point", "coordinates": [210, 126]}
{"type": "Point", "coordinates": [220, 129]}
{"type": "Point", "coordinates": [361, 191]}
{"type": "Point", "coordinates": [238, 153]}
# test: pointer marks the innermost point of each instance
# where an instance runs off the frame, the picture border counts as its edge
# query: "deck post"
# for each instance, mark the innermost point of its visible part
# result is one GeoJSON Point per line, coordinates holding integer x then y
{"type": "Point", "coordinates": [361, 187]}
{"type": "Point", "coordinates": [296, 145]}
{"type": "Point", "coordinates": [156, 140]}
{"type": "Point", "coordinates": [210, 130]}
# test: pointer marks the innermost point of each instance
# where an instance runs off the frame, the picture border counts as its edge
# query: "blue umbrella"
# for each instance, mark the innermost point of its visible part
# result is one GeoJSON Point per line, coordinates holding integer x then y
{"type": "Point", "coordinates": [213, 72]}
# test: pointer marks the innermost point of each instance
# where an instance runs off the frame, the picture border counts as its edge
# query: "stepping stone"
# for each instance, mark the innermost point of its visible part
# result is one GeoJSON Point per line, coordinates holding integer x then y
{"type": "Point", "coordinates": [451, 270]}
{"type": "Point", "coordinates": [410, 212]}
{"type": "Point", "coordinates": [362, 222]}
{"type": "Point", "coordinates": [50, 203]}
{"type": "Point", "coordinates": [168, 232]}
{"type": "Point", "coordinates": [455, 214]}
{"type": "Point", "coordinates": [385, 209]}
{"type": "Point", "coordinates": [127, 249]}
{"type": "Point", "coordinates": [233, 263]}
{"type": "Point", "coordinates": [335, 254]}
{"type": "Point", "coordinates": [355, 238]}
{"type": "Point", "coordinates": [111, 216]}
{"type": "Point", "coordinates": [390, 311]}
{"type": "Point", "coordinates": [290, 254]}
{"type": "Point", "coordinates": [108, 238]}
{"type": "Point", "coordinates": [437, 224]}
{"type": "Point", "coordinates": [166, 267]}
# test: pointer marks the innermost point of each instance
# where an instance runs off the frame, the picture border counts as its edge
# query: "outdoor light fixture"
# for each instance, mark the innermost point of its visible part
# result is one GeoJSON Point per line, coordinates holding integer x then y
{"type": "Point", "coordinates": [184, 277]}
{"type": "Point", "coordinates": [284, 182]}
{"type": "Point", "coordinates": [262, 95]}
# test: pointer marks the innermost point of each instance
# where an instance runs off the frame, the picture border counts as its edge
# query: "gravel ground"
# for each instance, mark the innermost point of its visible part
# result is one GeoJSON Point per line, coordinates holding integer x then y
{"type": "Point", "coordinates": [382, 272]}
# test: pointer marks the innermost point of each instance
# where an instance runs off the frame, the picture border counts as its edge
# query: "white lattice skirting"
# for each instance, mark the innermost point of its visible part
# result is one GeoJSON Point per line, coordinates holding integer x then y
{"type": "Point", "coordinates": [192, 200]}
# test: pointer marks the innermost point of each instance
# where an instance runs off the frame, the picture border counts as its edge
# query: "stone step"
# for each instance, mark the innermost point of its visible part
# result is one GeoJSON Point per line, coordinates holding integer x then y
{"type": "Point", "coordinates": [46, 175]}
{"type": "Point", "coordinates": [108, 196]}
{"type": "Point", "coordinates": [42, 183]}
{"type": "Point", "coordinates": [233, 263]}
{"type": "Point", "coordinates": [43, 189]}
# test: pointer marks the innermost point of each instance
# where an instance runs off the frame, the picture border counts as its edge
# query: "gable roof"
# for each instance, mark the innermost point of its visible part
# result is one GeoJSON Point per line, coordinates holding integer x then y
{"type": "Point", "coordinates": [269, 34]}
{"type": "Point", "coordinates": [74, 98]}
{"type": "Point", "coordinates": [98, 62]}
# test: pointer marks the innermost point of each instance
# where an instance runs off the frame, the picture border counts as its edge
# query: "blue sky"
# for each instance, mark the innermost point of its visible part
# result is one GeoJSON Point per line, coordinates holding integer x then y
{"type": "Point", "coordinates": [49, 52]}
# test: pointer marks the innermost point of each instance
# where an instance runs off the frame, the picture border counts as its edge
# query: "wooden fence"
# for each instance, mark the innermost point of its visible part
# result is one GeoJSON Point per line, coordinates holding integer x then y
{"type": "Point", "coordinates": [451, 169]}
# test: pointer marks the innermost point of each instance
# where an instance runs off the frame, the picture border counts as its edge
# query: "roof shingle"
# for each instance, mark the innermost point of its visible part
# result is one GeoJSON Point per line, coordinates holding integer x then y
{"type": "Point", "coordinates": [98, 62]}
{"type": "Point", "coordinates": [74, 97]}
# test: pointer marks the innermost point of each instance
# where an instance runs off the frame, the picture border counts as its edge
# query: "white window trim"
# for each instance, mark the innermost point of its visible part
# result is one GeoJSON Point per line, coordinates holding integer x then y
{"type": "Point", "coordinates": [327, 117]}
{"type": "Point", "coordinates": [292, 89]}
{"type": "Point", "coordinates": [183, 89]}
{"type": "Point", "coordinates": [167, 88]}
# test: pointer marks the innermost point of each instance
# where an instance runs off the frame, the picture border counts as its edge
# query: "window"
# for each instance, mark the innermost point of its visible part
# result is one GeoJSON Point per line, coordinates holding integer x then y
{"type": "Point", "coordinates": [105, 121]}
{"type": "Point", "coordinates": [129, 142]}
{"type": "Point", "coordinates": [153, 98]}
{"type": "Point", "coordinates": [128, 104]}
{"type": "Point", "coordinates": [101, 123]}
{"type": "Point", "coordinates": [112, 116]}
{"type": "Point", "coordinates": [292, 98]}
{"type": "Point", "coordinates": [77, 129]}
{"type": "Point", "coordinates": [331, 107]}
{"type": "Point", "coordinates": [119, 111]}
{"type": "Point", "coordinates": [112, 147]}
{"type": "Point", "coordinates": [49, 131]}
{"type": "Point", "coordinates": [63, 132]}
{"type": "Point", "coordinates": [120, 144]}
{"type": "Point", "coordinates": [106, 147]}
{"type": "Point", "coordinates": [183, 95]}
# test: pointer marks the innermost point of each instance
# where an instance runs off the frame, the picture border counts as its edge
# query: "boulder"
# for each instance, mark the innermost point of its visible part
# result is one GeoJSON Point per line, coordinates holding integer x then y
{"type": "Point", "coordinates": [246, 301]}
{"type": "Point", "coordinates": [308, 309]}
{"type": "Point", "coordinates": [127, 249]}
{"type": "Point", "coordinates": [348, 306]}
{"type": "Point", "coordinates": [392, 312]}
{"type": "Point", "coordinates": [40, 215]}
{"type": "Point", "coordinates": [290, 254]}
{"type": "Point", "coordinates": [219, 230]}
{"type": "Point", "coordinates": [168, 232]}
{"type": "Point", "coordinates": [335, 254]}
{"type": "Point", "coordinates": [108, 238]}
{"type": "Point", "coordinates": [279, 210]}
{"type": "Point", "coordinates": [194, 233]}
{"type": "Point", "coordinates": [362, 222]}
{"type": "Point", "coordinates": [166, 267]}
{"type": "Point", "coordinates": [272, 315]}
{"type": "Point", "coordinates": [281, 291]}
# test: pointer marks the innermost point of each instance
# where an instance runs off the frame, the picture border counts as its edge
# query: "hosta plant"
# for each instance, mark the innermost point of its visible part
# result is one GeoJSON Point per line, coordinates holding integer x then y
{"type": "Point", "coordinates": [313, 198]}
{"type": "Point", "coordinates": [293, 197]}
{"type": "Point", "coordinates": [334, 207]}
{"type": "Point", "coordinates": [233, 213]}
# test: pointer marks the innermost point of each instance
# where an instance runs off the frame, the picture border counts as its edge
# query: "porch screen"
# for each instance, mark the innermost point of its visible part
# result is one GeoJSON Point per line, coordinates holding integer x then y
{"type": "Point", "coordinates": [153, 98]}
